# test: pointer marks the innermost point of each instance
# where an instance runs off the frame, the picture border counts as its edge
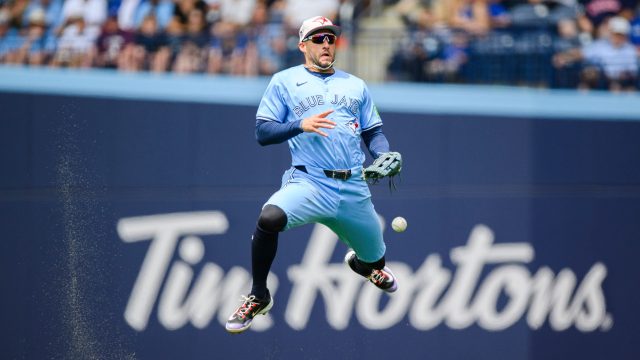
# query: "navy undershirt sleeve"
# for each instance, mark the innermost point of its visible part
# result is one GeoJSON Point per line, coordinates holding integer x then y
{"type": "Point", "coordinates": [273, 132]}
{"type": "Point", "coordinates": [375, 141]}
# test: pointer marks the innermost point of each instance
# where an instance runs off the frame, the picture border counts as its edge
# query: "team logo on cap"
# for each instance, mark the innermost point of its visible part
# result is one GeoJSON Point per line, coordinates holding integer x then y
{"type": "Point", "coordinates": [322, 20]}
{"type": "Point", "coordinates": [315, 23]}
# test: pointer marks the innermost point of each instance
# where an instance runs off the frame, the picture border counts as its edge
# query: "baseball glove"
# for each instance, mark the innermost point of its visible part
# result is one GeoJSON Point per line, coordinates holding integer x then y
{"type": "Point", "coordinates": [386, 165]}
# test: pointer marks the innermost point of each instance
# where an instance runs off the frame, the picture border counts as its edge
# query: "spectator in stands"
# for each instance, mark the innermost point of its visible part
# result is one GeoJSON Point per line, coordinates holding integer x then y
{"type": "Point", "coordinates": [4, 28]}
{"type": "Point", "coordinates": [634, 35]}
{"type": "Point", "coordinates": [269, 40]}
{"type": "Point", "coordinates": [543, 13]}
{"type": "Point", "coordinates": [411, 60]}
{"type": "Point", "coordinates": [499, 16]}
{"type": "Point", "coordinates": [427, 29]}
{"type": "Point", "coordinates": [436, 49]}
{"type": "Point", "coordinates": [228, 50]}
{"type": "Point", "coordinates": [9, 38]}
{"type": "Point", "coordinates": [74, 44]}
{"type": "Point", "coordinates": [52, 12]}
{"type": "Point", "coordinates": [568, 36]}
{"type": "Point", "coordinates": [183, 8]}
{"type": "Point", "coordinates": [593, 18]}
{"type": "Point", "coordinates": [238, 12]}
{"type": "Point", "coordinates": [125, 10]}
{"type": "Point", "coordinates": [173, 35]}
{"type": "Point", "coordinates": [193, 48]}
{"type": "Point", "coordinates": [93, 13]}
{"type": "Point", "coordinates": [417, 17]}
{"type": "Point", "coordinates": [610, 62]}
{"type": "Point", "coordinates": [471, 16]}
{"type": "Point", "coordinates": [16, 10]}
{"type": "Point", "coordinates": [112, 44]}
{"type": "Point", "coordinates": [162, 10]}
{"type": "Point", "coordinates": [37, 44]}
{"type": "Point", "coordinates": [568, 40]}
{"type": "Point", "coordinates": [150, 49]}
{"type": "Point", "coordinates": [447, 66]}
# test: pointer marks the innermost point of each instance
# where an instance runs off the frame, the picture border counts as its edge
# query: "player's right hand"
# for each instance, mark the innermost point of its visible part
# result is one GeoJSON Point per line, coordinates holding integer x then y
{"type": "Point", "coordinates": [316, 122]}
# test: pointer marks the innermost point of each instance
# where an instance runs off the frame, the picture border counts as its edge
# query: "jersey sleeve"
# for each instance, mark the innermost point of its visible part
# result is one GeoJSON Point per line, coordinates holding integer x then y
{"type": "Point", "coordinates": [272, 105]}
{"type": "Point", "coordinates": [375, 141]}
{"type": "Point", "coordinates": [370, 117]}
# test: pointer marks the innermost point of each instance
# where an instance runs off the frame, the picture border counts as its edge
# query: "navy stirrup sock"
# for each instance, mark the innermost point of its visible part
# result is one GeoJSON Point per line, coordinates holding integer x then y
{"type": "Point", "coordinates": [263, 250]}
{"type": "Point", "coordinates": [365, 268]}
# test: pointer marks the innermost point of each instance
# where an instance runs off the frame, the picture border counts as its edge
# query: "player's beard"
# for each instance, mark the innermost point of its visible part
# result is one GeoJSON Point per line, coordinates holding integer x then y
{"type": "Point", "coordinates": [319, 65]}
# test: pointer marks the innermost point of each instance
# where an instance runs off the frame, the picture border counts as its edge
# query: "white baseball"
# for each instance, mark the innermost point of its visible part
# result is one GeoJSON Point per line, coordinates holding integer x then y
{"type": "Point", "coordinates": [399, 224]}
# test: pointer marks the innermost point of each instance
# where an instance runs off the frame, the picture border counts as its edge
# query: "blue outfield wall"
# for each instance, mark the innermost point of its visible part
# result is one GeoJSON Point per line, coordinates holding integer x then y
{"type": "Point", "coordinates": [128, 201]}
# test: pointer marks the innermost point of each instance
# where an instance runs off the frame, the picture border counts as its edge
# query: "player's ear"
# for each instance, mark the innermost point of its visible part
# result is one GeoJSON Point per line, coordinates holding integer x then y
{"type": "Point", "coordinates": [302, 46]}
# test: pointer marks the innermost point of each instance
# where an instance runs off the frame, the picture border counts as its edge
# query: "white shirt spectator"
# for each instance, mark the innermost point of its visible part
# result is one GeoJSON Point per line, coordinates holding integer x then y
{"type": "Point", "coordinates": [237, 11]}
{"type": "Point", "coordinates": [74, 41]}
{"type": "Point", "coordinates": [613, 60]}
{"type": "Point", "coordinates": [94, 12]}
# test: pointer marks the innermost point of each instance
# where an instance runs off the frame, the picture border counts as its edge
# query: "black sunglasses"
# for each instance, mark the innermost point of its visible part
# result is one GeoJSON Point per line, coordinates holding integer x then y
{"type": "Point", "coordinates": [319, 38]}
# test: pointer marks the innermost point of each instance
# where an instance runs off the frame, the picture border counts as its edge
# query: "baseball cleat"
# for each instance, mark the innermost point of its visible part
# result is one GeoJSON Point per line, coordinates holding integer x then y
{"type": "Point", "coordinates": [251, 306]}
{"type": "Point", "coordinates": [382, 279]}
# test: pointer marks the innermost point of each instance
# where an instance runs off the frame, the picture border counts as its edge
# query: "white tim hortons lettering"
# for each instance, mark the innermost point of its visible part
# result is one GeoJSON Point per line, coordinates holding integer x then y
{"type": "Point", "coordinates": [589, 302]}
{"type": "Point", "coordinates": [316, 276]}
{"type": "Point", "coordinates": [173, 311]}
{"type": "Point", "coordinates": [431, 280]}
{"type": "Point", "coordinates": [456, 306]}
{"type": "Point", "coordinates": [544, 295]}
{"type": "Point", "coordinates": [515, 281]}
{"type": "Point", "coordinates": [211, 292]}
{"type": "Point", "coordinates": [471, 260]}
{"type": "Point", "coordinates": [163, 231]}
{"type": "Point", "coordinates": [552, 297]}
{"type": "Point", "coordinates": [432, 295]}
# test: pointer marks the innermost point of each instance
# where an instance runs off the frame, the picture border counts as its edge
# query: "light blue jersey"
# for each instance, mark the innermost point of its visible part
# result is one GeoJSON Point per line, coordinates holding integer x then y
{"type": "Point", "coordinates": [295, 94]}
{"type": "Point", "coordinates": [324, 116]}
{"type": "Point", "coordinates": [307, 194]}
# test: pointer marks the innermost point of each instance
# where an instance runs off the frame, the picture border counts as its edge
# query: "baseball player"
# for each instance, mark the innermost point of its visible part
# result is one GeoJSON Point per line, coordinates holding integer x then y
{"type": "Point", "coordinates": [323, 113]}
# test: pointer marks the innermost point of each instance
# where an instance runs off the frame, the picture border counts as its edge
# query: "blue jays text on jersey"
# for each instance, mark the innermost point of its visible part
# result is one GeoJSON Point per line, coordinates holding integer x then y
{"type": "Point", "coordinates": [352, 104]}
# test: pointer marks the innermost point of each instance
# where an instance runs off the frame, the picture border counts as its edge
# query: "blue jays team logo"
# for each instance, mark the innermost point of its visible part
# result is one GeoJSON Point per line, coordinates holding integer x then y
{"type": "Point", "coordinates": [353, 125]}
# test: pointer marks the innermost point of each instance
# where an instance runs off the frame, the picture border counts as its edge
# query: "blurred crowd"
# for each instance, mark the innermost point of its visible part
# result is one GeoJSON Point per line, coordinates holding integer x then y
{"type": "Point", "coordinates": [237, 37]}
{"type": "Point", "coordinates": [589, 44]}
{"type": "Point", "coordinates": [556, 43]}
